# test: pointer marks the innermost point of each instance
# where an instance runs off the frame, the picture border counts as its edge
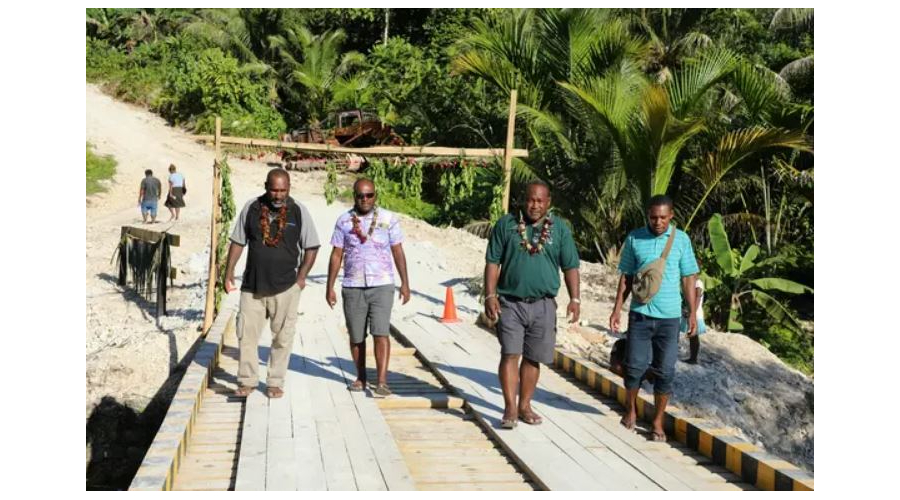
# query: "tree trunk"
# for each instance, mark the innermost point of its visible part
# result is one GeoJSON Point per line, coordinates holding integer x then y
{"type": "Point", "coordinates": [387, 24]}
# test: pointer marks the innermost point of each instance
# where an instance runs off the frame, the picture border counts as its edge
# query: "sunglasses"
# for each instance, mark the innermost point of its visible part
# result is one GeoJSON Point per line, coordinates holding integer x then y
{"type": "Point", "coordinates": [366, 196]}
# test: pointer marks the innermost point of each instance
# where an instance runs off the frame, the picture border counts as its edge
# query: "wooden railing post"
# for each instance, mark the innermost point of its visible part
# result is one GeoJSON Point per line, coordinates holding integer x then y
{"type": "Point", "coordinates": [507, 154]}
{"type": "Point", "coordinates": [213, 231]}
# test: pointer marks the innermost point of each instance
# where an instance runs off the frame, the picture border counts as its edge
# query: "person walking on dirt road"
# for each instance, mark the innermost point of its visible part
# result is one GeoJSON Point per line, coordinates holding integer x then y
{"type": "Point", "coordinates": [369, 241]}
{"type": "Point", "coordinates": [148, 196]}
{"type": "Point", "coordinates": [655, 316]}
{"type": "Point", "coordinates": [521, 279]}
{"type": "Point", "coordinates": [281, 236]}
{"type": "Point", "coordinates": [175, 197]}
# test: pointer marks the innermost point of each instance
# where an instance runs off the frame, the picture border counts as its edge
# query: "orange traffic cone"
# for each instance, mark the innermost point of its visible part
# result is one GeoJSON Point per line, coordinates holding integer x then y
{"type": "Point", "coordinates": [449, 308]}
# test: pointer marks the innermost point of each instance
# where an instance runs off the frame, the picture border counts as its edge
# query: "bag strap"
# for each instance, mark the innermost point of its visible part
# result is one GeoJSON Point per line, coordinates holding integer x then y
{"type": "Point", "coordinates": [665, 253]}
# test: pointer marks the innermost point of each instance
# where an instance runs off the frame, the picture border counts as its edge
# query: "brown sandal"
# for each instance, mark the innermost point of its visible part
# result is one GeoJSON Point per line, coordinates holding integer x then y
{"type": "Point", "coordinates": [508, 423]}
{"type": "Point", "coordinates": [244, 391]}
{"type": "Point", "coordinates": [531, 418]}
{"type": "Point", "coordinates": [357, 386]}
{"type": "Point", "coordinates": [274, 392]}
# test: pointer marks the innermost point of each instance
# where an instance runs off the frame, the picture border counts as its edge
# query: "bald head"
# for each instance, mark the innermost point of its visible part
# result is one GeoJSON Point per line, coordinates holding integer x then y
{"type": "Point", "coordinates": [363, 182]}
{"type": "Point", "coordinates": [278, 173]}
{"type": "Point", "coordinates": [363, 195]}
{"type": "Point", "coordinates": [537, 185]}
{"type": "Point", "coordinates": [278, 187]}
{"type": "Point", "coordinates": [537, 200]}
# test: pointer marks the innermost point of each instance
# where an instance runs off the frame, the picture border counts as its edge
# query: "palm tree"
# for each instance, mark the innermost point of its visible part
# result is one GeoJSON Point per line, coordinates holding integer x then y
{"type": "Point", "coordinates": [614, 134]}
{"type": "Point", "coordinates": [672, 37]}
{"type": "Point", "coordinates": [531, 50]}
{"type": "Point", "coordinates": [322, 66]}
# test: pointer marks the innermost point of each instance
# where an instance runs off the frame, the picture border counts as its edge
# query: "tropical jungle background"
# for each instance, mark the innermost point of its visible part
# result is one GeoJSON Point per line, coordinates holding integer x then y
{"type": "Point", "coordinates": [711, 106]}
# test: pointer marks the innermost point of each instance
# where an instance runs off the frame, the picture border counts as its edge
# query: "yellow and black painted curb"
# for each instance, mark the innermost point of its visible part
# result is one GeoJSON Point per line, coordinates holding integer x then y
{"type": "Point", "coordinates": [163, 459]}
{"type": "Point", "coordinates": [755, 466]}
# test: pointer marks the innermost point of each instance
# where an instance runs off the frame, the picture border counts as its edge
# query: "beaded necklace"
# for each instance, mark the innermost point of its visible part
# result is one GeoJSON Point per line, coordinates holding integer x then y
{"type": "Point", "coordinates": [545, 235]}
{"type": "Point", "coordinates": [357, 230]}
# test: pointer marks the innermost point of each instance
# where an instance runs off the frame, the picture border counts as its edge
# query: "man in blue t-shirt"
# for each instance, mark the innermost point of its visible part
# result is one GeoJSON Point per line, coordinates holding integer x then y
{"type": "Point", "coordinates": [653, 326]}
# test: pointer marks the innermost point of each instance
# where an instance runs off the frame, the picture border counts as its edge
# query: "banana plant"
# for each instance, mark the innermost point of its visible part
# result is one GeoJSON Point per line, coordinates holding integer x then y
{"type": "Point", "coordinates": [739, 275]}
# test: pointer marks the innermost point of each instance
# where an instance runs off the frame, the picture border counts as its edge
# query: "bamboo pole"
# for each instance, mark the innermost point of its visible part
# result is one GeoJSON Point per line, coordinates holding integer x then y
{"type": "Point", "coordinates": [508, 156]}
{"type": "Point", "coordinates": [211, 287]}
{"type": "Point", "coordinates": [410, 151]}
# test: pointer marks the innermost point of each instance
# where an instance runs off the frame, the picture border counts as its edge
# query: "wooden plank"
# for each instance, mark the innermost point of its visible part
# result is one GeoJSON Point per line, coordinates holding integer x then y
{"type": "Point", "coordinates": [311, 474]}
{"type": "Point", "coordinates": [463, 477]}
{"type": "Point", "coordinates": [251, 474]}
{"type": "Point", "coordinates": [394, 472]}
{"type": "Point", "coordinates": [151, 236]}
{"type": "Point", "coordinates": [411, 151]}
{"type": "Point", "coordinates": [281, 463]}
{"type": "Point", "coordinates": [424, 401]}
{"type": "Point", "coordinates": [455, 486]}
{"type": "Point", "coordinates": [335, 458]}
{"type": "Point", "coordinates": [220, 484]}
{"type": "Point", "coordinates": [366, 472]}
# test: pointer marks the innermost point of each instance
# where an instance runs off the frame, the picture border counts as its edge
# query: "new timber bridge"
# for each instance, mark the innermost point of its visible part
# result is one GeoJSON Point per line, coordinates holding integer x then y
{"type": "Point", "coordinates": [438, 431]}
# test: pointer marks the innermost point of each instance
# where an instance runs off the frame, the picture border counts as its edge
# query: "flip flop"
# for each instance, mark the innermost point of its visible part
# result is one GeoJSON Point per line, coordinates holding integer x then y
{"type": "Point", "coordinates": [357, 386]}
{"type": "Point", "coordinates": [274, 392]}
{"type": "Point", "coordinates": [630, 427]}
{"type": "Point", "coordinates": [660, 437]}
{"type": "Point", "coordinates": [531, 418]}
{"type": "Point", "coordinates": [382, 390]}
{"type": "Point", "coordinates": [508, 424]}
{"type": "Point", "coordinates": [244, 391]}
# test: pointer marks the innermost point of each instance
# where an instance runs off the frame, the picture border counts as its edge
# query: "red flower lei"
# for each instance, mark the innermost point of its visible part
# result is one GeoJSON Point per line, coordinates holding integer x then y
{"type": "Point", "coordinates": [264, 222]}
{"type": "Point", "coordinates": [545, 235]}
{"type": "Point", "coordinates": [357, 230]}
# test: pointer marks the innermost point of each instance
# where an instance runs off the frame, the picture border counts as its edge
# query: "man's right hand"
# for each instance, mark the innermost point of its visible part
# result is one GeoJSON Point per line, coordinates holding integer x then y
{"type": "Point", "coordinates": [492, 308]}
{"type": "Point", "coordinates": [330, 297]}
{"type": "Point", "coordinates": [229, 284]}
{"type": "Point", "coordinates": [614, 322]}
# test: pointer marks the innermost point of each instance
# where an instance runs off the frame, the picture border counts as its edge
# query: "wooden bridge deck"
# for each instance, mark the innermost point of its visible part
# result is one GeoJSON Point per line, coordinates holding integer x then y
{"type": "Point", "coordinates": [439, 430]}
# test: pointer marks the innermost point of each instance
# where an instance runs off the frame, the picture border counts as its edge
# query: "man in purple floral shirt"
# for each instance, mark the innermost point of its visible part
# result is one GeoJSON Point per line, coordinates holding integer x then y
{"type": "Point", "coordinates": [369, 241]}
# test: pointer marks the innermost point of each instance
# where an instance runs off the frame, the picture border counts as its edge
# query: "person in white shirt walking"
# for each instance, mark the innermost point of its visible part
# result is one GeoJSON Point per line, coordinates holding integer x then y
{"type": "Point", "coordinates": [701, 324]}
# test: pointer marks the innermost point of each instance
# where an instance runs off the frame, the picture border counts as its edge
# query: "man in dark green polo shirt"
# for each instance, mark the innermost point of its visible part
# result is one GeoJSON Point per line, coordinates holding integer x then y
{"type": "Point", "coordinates": [525, 257]}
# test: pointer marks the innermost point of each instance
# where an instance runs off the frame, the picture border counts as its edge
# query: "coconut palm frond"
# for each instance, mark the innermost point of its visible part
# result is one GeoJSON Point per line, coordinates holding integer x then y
{"type": "Point", "coordinates": [688, 85]}
{"type": "Point", "coordinates": [735, 146]}
{"type": "Point", "coordinates": [762, 90]}
{"type": "Point", "coordinates": [799, 72]}
{"type": "Point", "coordinates": [792, 18]}
{"type": "Point", "coordinates": [480, 228]}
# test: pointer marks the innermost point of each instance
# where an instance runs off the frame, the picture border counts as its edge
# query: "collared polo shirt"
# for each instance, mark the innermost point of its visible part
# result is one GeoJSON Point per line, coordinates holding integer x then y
{"type": "Point", "coordinates": [525, 275]}
{"type": "Point", "coordinates": [641, 248]}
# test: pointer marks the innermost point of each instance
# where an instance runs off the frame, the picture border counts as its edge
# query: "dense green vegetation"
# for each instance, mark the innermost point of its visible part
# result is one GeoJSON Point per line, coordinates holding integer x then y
{"type": "Point", "coordinates": [98, 169]}
{"type": "Point", "coordinates": [712, 106]}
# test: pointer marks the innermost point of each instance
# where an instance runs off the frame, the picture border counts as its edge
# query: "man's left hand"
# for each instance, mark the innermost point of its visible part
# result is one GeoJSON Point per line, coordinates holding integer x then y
{"type": "Point", "coordinates": [692, 326]}
{"type": "Point", "coordinates": [404, 293]}
{"type": "Point", "coordinates": [301, 282]}
{"type": "Point", "coordinates": [573, 312]}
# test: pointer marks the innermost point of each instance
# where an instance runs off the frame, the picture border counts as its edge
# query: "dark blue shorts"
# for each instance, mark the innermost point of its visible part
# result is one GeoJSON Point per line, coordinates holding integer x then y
{"type": "Point", "coordinates": [652, 343]}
